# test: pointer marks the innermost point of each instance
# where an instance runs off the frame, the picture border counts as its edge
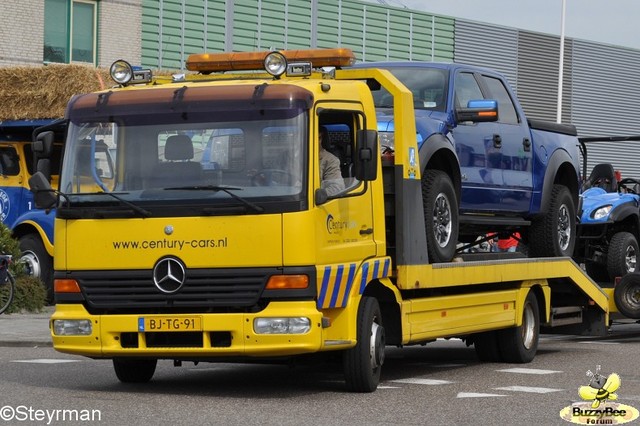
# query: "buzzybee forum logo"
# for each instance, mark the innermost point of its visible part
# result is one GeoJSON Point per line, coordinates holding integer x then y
{"type": "Point", "coordinates": [599, 406]}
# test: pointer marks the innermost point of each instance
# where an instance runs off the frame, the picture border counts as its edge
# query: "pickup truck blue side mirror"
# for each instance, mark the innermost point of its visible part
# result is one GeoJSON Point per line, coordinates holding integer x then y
{"type": "Point", "coordinates": [478, 111]}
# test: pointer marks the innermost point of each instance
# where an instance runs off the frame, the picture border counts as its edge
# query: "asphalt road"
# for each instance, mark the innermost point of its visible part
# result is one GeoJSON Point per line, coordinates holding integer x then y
{"type": "Point", "coordinates": [441, 383]}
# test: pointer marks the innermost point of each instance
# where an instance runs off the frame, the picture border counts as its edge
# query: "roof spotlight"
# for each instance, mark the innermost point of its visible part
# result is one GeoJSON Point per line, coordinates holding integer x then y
{"type": "Point", "coordinates": [275, 64]}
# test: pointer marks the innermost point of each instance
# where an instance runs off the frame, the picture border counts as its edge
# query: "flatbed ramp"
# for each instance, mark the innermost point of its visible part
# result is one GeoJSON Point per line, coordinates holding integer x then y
{"type": "Point", "coordinates": [577, 304]}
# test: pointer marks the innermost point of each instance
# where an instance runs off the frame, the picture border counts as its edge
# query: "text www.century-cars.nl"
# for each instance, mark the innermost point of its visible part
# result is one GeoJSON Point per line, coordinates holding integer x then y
{"type": "Point", "coordinates": [204, 243]}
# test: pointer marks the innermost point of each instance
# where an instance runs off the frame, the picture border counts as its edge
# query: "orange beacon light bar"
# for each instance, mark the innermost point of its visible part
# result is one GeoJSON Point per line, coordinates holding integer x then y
{"type": "Point", "coordinates": [244, 61]}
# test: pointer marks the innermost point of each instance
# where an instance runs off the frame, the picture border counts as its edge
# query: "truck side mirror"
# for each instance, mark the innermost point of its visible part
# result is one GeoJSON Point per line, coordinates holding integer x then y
{"type": "Point", "coordinates": [367, 153]}
{"type": "Point", "coordinates": [42, 148]}
{"type": "Point", "coordinates": [478, 111]}
{"type": "Point", "coordinates": [44, 196]}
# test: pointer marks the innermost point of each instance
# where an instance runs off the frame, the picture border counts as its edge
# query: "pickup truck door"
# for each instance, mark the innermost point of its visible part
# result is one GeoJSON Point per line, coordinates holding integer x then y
{"type": "Point", "coordinates": [478, 146]}
{"type": "Point", "coordinates": [516, 148]}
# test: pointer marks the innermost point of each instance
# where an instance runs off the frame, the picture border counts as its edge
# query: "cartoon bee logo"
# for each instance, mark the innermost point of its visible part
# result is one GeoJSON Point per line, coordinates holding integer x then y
{"type": "Point", "coordinates": [600, 388]}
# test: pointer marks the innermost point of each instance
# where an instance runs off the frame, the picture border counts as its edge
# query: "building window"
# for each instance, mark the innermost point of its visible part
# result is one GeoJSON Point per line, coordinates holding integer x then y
{"type": "Point", "coordinates": [70, 31]}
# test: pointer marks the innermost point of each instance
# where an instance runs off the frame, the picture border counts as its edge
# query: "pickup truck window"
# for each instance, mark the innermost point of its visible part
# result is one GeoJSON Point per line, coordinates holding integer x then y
{"type": "Point", "coordinates": [467, 89]}
{"type": "Point", "coordinates": [428, 86]}
{"type": "Point", "coordinates": [506, 110]}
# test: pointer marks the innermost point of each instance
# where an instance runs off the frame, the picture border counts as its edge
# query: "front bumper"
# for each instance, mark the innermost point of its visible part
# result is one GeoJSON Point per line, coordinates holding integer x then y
{"type": "Point", "coordinates": [222, 335]}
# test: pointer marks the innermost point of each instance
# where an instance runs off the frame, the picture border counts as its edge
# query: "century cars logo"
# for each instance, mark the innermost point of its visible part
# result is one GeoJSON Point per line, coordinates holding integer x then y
{"type": "Point", "coordinates": [169, 274]}
{"type": "Point", "coordinates": [337, 226]}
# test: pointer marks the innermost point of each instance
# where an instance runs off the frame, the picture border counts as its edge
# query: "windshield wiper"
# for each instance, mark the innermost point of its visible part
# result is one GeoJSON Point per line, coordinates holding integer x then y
{"type": "Point", "coordinates": [137, 209]}
{"type": "Point", "coordinates": [225, 189]}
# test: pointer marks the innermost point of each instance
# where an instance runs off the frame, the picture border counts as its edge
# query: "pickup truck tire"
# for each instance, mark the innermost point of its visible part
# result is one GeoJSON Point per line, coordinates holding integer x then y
{"type": "Point", "coordinates": [622, 258]}
{"type": "Point", "coordinates": [362, 363]}
{"type": "Point", "coordinates": [626, 296]}
{"type": "Point", "coordinates": [440, 215]}
{"type": "Point", "coordinates": [486, 346]}
{"type": "Point", "coordinates": [554, 234]}
{"type": "Point", "coordinates": [520, 344]}
{"type": "Point", "coordinates": [134, 370]}
{"type": "Point", "coordinates": [37, 261]}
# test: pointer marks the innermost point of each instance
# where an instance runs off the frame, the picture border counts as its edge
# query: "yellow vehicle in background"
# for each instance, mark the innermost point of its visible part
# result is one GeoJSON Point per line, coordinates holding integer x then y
{"type": "Point", "coordinates": [216, 240]}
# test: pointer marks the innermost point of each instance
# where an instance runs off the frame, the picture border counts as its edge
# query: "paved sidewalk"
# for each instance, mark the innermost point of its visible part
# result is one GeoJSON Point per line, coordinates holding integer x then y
{"type": "Point", "coordinates": [26, 329]}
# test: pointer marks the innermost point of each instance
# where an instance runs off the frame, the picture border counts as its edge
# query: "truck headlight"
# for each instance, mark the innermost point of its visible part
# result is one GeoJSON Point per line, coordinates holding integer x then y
{"type": "Point", "coordinates": [602, 212]}
{"type": "Point", "coordinates": [72, 327]}
{"type": "Point", "coordinates": [283, 325]}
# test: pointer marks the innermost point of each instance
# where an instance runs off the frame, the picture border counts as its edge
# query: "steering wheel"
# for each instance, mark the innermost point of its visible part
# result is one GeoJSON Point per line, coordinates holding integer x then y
{"type": "Point", "coordinates": [269, 177]}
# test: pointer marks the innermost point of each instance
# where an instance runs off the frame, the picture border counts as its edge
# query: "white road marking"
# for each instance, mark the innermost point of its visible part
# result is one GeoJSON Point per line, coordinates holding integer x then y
{"type": "Point", "coordinates": [477, 395]}
{"type": "Point", "coordinates": [429, 382]}
{"type": "Point", "coordinates": [45, 361]}
{"type": "Point", "coordinates": [528, 371]}
{"type": "Point", "coordinates": [529, 389]}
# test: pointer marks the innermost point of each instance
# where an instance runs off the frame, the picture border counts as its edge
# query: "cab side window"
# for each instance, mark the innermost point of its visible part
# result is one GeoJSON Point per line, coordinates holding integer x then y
{"type": "Point", "coordinates": [467, 89]}
{"type": "Point", "coordinates": [506, 110]}
{"type": "Point", "coordinates": [9, 162]}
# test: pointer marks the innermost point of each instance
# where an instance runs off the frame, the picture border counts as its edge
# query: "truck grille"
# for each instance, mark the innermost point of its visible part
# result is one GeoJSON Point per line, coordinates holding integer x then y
{"type": "Point", "coordinates": [203, 290]}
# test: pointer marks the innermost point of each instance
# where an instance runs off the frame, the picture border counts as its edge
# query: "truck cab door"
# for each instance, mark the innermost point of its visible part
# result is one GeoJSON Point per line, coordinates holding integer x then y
{"type": "Point", "coordinates": [479, 149]}
{"type": "Point", "coordinates": [516, 147]}
{"type": "Point", "coordinates": [345, 221]}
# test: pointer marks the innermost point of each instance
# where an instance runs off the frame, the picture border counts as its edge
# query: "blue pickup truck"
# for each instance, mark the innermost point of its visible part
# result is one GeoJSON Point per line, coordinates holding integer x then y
{"type": "Point", "coordinates": [487, 168]}
{"type": "Point", "coordinates": [32, 227]}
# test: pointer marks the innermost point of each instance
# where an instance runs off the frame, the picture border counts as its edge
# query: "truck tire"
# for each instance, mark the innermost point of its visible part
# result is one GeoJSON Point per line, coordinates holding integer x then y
{"type": "Point", "coordinates": [362, 363]}
{"type": "Point", "coordinates": [440, 215]}
{"type": "Point", "coordinates": [487, 347]}
{"type": "Point", "coordinates": [37, 261]}
{"type": "Point", "coordinates": [626, 296]}
{"type": "Point", "coordinates": [520, 344]}
{"type": "Point", "coordinates": [134, 370]}
{"type": "Point", "coordinates": [622, 258]}
{"type": "Point", "coordinates": [554, 234]}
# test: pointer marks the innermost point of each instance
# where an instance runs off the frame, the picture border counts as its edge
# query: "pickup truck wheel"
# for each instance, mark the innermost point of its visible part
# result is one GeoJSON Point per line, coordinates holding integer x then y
{"type": "Point", "coordinates": [554, 234]}
{"type": "Point", "coordinates": [134, 370]}
{"type": "Point", "coordinates": [626, 296]}
{"type": "Point", "coordinates": [37, 262]}
{"type": "Point", "coordinates": [486, 346]}
{"type": "Point", "coordinates": [622, 258]}
{"type": "Point", "coordinates": [362, 363]}
{"type": "Point", "coordinates": [440, 215]}
{"type": "Point", "coordinates": [520, 344]}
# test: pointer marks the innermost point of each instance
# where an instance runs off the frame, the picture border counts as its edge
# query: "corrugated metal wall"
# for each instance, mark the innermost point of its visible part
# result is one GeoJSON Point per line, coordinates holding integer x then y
{"type": "Point", "coordinates": [173, 29]}
{"type": "Point", "coordinates": [496, 49]}
{"type": "Point", "coordinates": [605, 99]}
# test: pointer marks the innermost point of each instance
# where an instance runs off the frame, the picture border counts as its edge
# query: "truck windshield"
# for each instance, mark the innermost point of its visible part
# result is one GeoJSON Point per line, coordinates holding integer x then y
{"type": "Point", "coordinates": [428, 86]}
{"type": "Point", "coordinates": [188, 164]}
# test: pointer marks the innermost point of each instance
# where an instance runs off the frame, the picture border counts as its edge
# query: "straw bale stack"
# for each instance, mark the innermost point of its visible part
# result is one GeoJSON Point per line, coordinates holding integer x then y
{"type": "Point", "coordinates": [43, 92]}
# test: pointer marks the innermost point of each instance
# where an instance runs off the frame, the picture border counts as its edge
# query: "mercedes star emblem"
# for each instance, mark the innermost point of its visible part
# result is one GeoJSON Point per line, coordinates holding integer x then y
{"type": "Point", "coordinates": [169, 274]}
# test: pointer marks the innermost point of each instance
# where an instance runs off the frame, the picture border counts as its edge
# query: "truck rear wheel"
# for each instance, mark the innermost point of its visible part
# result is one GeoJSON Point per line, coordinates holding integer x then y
{"type": "Point", "coordinates": [554, 234]}
{"type": "Point", "coordinates": [362, 363]}
{"type": "Point", "coordinates": [37, 262]}
{"type": "Point", "coordinates": [626, 296]}
{"type": "Point", "coordinates": [520, 344]}
{"type": "Point", "coordinates": [134, 370]}
{"type": "Point", "coordinates": [440, 215]}
{"type": "Point", "coordinates": [622, 258]}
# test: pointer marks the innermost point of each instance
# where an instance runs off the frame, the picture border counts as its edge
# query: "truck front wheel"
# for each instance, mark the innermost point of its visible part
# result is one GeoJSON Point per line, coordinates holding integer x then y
{"type": "Point", "coordinates": [554, 234]}
{"type": "Point", "coordinates": [520, 344]}
{"type": "Point", "coordinates": [37, 261]}
{"type": "Point", "coordinates": [134, 370]}
{"type": "Point", "coordinates": [440, 215]}
{"type": "Point", "coordinates": [362, 363]}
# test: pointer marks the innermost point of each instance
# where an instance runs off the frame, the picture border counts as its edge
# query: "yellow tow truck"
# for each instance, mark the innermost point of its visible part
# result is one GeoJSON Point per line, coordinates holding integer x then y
{"type": "Point", "coordinates": [215, 237]}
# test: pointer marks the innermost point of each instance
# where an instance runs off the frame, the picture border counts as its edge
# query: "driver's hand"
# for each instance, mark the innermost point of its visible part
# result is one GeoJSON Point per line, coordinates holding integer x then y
{"type": "Point", "coordinates": [257, 178]}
